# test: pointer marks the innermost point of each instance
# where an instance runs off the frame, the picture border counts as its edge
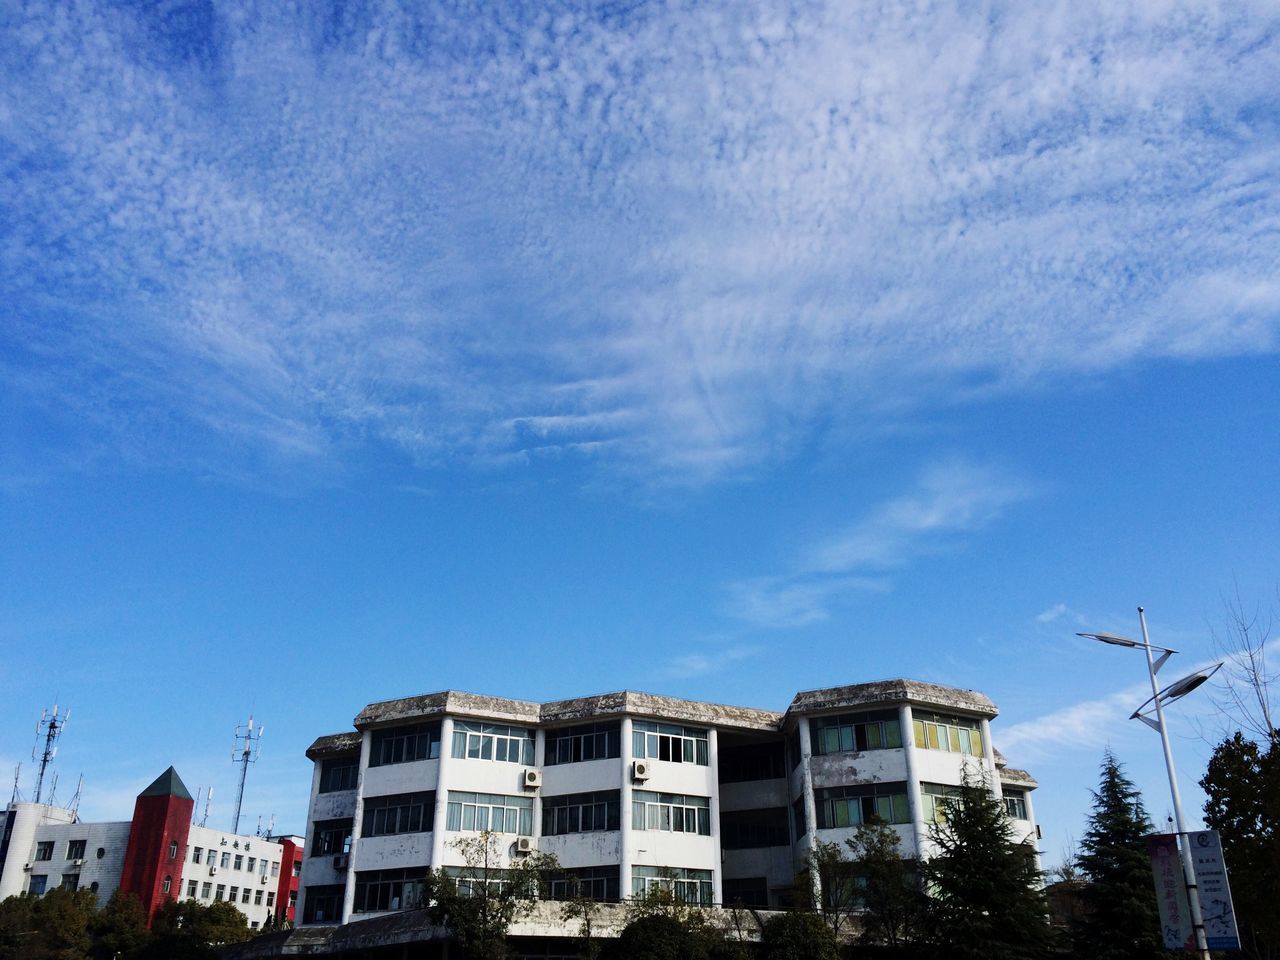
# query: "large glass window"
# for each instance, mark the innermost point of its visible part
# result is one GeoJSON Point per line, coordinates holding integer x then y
{"type": "Point", "coordinates": [758, 761]}
{"type": "Point", "coordinates": [798, 818]}
{"type": "Point", "coordinates": [330, 837]}
{"type": "Point", "coordinates": [581, 813]}
{"type": "Point", "coordinates": [874, 730]}
{"type": "Point", "coordinates": [472, 881]}
{"type": "Point", "coordinates": [934, 800]}
{"type": "Point", "coordinates": [490, 811]}
{"type": "Point", "coordinates": [1015, 803]}
{"type": "Point", "coordinates": [937, 731]}
{"type": "Point", "coordinates": [666, 741]}
{"type": "Point", "coordinates": [398, 813]}
{"type": "Point", "coordinates": [38, 885]}
{"type": "Point", "coordinates": [44, 850]}
{"type": "Point", "coordinates": [750, 829]}
{"type": "Point", "coordinates": [75, 849]}
{"type": "Point", "coordinates": [421, 741]}
{"type": "Point", "coordinates": [672, 812]}
{"type": "Point", "coordinates": [689, 886]}
{"type": "Point", "coordinates": [589, 883]}
{"type": "Point", "coordinates": [492, 741]}
{"type": "Point", "coordinates": [321, 904]}
{"type": "Point", "coordinates": [379, 890]}
{"type": "Point", "coordinates": [747, 891]}
{"type": "Point", "coordinates": [341, 773]}
{"type": "Point", "coordinates": [852, 805]}
{"type": "Point", "coordinates": [589, 741]}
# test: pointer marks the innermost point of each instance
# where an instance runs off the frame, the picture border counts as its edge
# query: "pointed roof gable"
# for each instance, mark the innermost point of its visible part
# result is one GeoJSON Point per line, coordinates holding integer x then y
{"type": "Point", "coordinates": [168, 784]}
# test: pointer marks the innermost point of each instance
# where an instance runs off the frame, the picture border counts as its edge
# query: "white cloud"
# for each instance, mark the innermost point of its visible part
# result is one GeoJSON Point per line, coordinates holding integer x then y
{"type": "Point", "coordinates": [1052, 614]}
{"type": "Point", "coordinates": [680, 240]}
{"type": "Point", "coordinates": [710, 661]}
{"type": "Point", "coordinates": [948, 500]}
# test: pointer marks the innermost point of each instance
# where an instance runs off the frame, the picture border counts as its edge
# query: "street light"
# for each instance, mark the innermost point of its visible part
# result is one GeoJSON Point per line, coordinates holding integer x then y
{"type": "Point", "coordinates": [1159, 698]}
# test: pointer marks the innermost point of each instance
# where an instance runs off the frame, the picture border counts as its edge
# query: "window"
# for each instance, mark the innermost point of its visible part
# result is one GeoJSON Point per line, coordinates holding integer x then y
{"type": "Point", "coordinates": [581, 813]}
{"type": "Point", "coordinates": [75, 849]}
{"type": "Point", "coordinates": [753, 829]}
{"type": "Point", "coordinates": [875, 730]}
{"type": "Point", "coordinates": [206, 889]}
{"type": "Point", "coordinates": [592, 883]}
{"type": "Point", "coordinates": [297, 864]}
{"type": "Point", "coordinates": [221, 892]}
{"type": "Point", "coordinates": [226, 859]}
{"type": "Point", "coordinates": [257, 897]}
{"type": "Point", "coordinates": [798, 817]}
{"type": "Point", "coordinates": [71, 881]}
{"type": "Point", "coordinates": [253, 924]}
{"type": "Point", "coordinates": [936, 731]}
{"type": "Point", "coordinates": [239, 865]}
{"type": "Point", "coordinates": [1015, 804]}
{"type": "Point", "coordinates": [251, 864]}
{"type": "Point", "coordinates": [378, 890]}
{"type": "Point", "coordinates": [44, 850]}
{"type": "Point", "coordinates": [173, 849]}
{"type": "Point", "coordinates": [934, 800]}
{"type": "Point", "coordinates": [398, 813]}
{"type": "Point", "coordinates": [331, 837]}
{"type": "Point", "coordinates": [747, 891]}
{"type": "Point", "coordinates": [672, 812]}
{"type": "Point", "coordinates": [293, 899]}
{"type": "Point", "coordinates": [244, 895]}
{"type": "Point", "coordinates": [492, 741]}
{"type": "Point", "coordinates": [421, 741]}
{"type": "Point", "coordinates": [102, 852]}
{"type": "Point", "coordinates": [341, 774]}
{"type": "Point", "coordinates": [196, 854]}
{"type": "Point", "coordinates": [665, 741]}
{"type": "Point", "coordinates": [852, 805]}
{"type": "Point", "coordinates": [323, 904]}
{"type": "Point", "coordinates": [39, 884]}
{"type": "Point", "coordinates": [275, 868]}
{"type": "Point", "coordinates": [235, 892]}
{"type": "Point", "coordinates": [759, 761]}
{"type": "Point", "coordinates": [689, 886]}
{"type": "Point", "coordinates": [193, 888]}
{"type": "Point", "coordinates": [589, 741]}
{"type": "Point", "coordinates": [490, 811]}
{"type": "Point", "coordinates": [271, 898]}
{"type": "Point", "coordinates": [166, 885]}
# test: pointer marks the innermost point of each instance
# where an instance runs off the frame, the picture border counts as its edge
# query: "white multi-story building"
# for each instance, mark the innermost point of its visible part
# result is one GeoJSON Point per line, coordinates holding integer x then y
{"type": "Point", "coordinates": [631, 790]}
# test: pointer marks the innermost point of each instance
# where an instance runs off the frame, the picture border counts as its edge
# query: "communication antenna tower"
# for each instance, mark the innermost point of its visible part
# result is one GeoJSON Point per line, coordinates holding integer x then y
{"type": "Point", "coordinates": [49, 727]}
{"type": "Point", "coordinates": [74, 805]}
{"type": "Point", "coordinates": [208, 798]}
{"type": "Point", "coordinates": [244, 752]}
{"type": "Point", "coordinates": [17, 775]}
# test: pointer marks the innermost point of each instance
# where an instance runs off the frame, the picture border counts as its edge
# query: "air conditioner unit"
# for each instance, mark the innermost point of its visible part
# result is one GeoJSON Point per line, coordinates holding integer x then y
{"type": "Point", "coordinates": [533, 779]}
{"type": "Point", "coordinates": [77, 863]}
{"type": "Point", "coordinates": [28, 866]}
{"type": "Point", "coordinates": [640, 769]}
{"type": "Point", "coordinates": [339, 863]}
{"type": "Point", "coordinates": [263, 878]}
{"type": "Point", "coordinates": [524, 844]}
{"type": "Point", "coordinates": [213, 871]}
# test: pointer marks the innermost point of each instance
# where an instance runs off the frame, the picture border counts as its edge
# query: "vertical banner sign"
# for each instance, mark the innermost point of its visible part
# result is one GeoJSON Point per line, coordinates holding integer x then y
{"type": "Point", "coordinates": [1171, 892]}
{"type": "Point", "coordinates": [1215, 892]}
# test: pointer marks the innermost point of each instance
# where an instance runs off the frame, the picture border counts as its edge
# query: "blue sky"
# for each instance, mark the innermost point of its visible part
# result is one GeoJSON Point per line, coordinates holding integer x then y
{"type": "Point", "coordinates": [543, 350]}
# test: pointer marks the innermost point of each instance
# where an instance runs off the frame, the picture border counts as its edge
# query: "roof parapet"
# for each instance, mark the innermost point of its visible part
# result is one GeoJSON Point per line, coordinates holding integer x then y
{"type": "Point", "coordinates": [892, 691]}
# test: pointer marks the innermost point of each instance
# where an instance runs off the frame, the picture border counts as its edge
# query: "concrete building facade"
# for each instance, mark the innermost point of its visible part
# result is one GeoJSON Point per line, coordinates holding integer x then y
{"type": "Point", "coordinates": [632, 791]}
{"type": "Point", "coordinates": [157, 855]}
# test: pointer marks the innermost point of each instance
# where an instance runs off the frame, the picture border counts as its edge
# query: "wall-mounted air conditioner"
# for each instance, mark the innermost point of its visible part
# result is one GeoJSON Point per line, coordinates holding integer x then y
{"type": "Point", "coordinates": [27, 867]}
{"type": "Point", "coordinates": [524, 844]}
{"type": "Point", "coordinates": [532, 779]}
{"type": "Point", "coordinates": [263, 878]}
{"type": "Point", "coordinates": [213, 871]}
{"type": "Point", "coordinates": [339, 862]}
{"type": "Point", "coordinates": [640, 769]}
{"type": "Point", "coordinates": [77, 863]}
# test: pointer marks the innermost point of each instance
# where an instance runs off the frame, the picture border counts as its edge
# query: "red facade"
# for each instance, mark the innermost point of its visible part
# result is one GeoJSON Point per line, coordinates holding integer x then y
{"type": "Point", "coordinates": [290, 872]}
{"type": "Point", "coordinates": [154, 858]}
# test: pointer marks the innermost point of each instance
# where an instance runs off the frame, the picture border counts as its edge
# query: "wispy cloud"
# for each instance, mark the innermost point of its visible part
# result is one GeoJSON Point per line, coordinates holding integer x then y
{"type": "Point", "coordinates": [675, 239]}
{"type": "Point", "coordinates": [947, 501]}
{"type": "Point", "coordinates": [712, 660]}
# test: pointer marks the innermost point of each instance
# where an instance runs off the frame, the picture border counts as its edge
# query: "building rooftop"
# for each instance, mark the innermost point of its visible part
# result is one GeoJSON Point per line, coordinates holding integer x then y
{"type": "Point", "coordinates": [892, 691]}
{"type": "Point", "coordinates": [168, 784]}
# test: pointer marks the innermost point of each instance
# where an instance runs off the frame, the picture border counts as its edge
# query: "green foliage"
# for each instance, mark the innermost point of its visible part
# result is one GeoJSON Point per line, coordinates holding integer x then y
{"type": "Point", "coordinates": [840, 893]}
{"type": "Point", "coordinates": [663, 936]}
{"type": "Point", "coordinates": [1242, 786]}
{"type": "Point", "coordinates": [1119, 919]}
{"type": "Point", "coordinates": [218, 923]}
{"type": "Point", "coordinates": [889, 891]}
{"type": "Point", "coordinates": [986, 900]}
{"type": "Point", "coordinates": [798, 936]}
{"type": "Point", "coordinates": [119, 928]}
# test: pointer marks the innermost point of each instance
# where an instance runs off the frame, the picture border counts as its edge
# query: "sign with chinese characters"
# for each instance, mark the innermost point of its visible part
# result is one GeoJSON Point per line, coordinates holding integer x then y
{"type": "Point", "coordinates": [1215, 892]}
{"type": "Point", "coordinates": [1171, 892]}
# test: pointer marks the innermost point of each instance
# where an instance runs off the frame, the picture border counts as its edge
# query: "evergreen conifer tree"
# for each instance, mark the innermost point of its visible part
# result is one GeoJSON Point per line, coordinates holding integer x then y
{"type": "Point", "coordinates": [1119, 918]}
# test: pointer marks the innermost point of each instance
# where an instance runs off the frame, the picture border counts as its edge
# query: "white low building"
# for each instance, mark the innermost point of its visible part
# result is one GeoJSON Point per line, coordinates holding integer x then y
{"type": "Point", "coordinates": [630, 790]}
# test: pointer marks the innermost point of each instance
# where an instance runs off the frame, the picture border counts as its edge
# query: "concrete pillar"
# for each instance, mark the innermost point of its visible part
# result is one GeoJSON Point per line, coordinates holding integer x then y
{"type": "Point", "coordinates": [919, 829]}
{"type": "Point", "coordinates": [717, 872]}
{"type": "Point", "coordinates": [309, 839]}
{"type": "Point", "coordinates": [440, 818]}
{"type": "Point", "coordinates": [539, 761]}
{"type": "Point", "coordinates": [625, 841]}
{"type": "Point", "coordinates": [810, 804]}
{"type": "Point", "coordinates": [989, 772]}
{"type": "Point", "coordinates": [349, 884]}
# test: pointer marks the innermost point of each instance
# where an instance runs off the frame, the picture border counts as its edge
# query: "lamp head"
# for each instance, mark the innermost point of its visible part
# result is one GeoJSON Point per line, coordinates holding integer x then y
{"type": "Point", "coordinates": [1110, 638]}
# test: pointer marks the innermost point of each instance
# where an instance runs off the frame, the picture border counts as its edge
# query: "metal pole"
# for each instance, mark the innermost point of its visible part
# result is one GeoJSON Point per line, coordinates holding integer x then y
{"type": "Point", "coordinates": [1184, 841]}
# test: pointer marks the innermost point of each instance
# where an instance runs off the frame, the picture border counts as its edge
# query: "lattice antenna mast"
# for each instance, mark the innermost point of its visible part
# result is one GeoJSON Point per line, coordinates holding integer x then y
{"type": "Point", "coordinates": [244, 752]}
{"type": "Point", "coordinates": [17, 776]}
{"type": "Point", "coordinates": [208, 798]}
{"type": "Point", "coordinates": [74, 805]}
{"type": "Point", "coordinates": [48, 728]}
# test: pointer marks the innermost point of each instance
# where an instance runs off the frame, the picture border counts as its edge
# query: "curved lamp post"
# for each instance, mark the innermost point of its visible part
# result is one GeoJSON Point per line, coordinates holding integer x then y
{"type": "Point", "coordinates": [1174, 691]}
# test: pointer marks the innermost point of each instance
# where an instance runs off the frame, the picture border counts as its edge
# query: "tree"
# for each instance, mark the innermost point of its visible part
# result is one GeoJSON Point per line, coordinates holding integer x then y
{"type": "Point", "coordinates": [584, 909]}
{"type": "Point", "coordinates": [60, 926]}
{"type": "Point", "coordinates": [986, 900]}
{"type": "Point", "coordinates": [1242, 787]}
{"type": "Point", "coordinates": [1119, 918]}
{"type": "Point", "coordinates": [491, 892]}
{"type": "Point", "coordinates": [15, 925]}
{"type": "Point", "coordinates": [888, 887]}
{"type": "Point", "coordinates": [120, 927]}
{"type": "Point", "coordinates": [840, 894]}
{"type": "Point", "coordinates": [798, 935]}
